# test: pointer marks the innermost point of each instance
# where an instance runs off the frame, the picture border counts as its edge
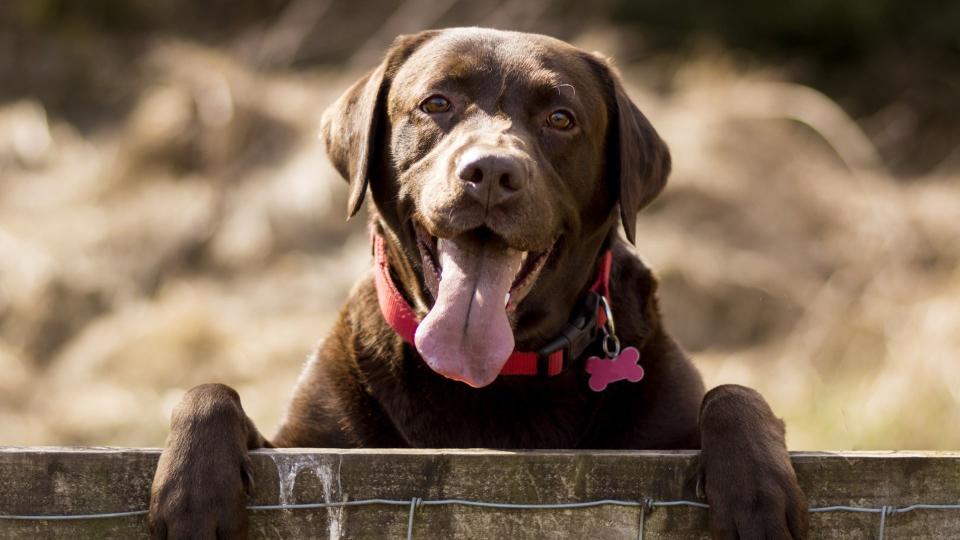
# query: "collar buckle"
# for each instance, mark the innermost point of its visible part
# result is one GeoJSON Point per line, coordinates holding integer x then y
{"type": "Point", "coordinates": [577, 335]}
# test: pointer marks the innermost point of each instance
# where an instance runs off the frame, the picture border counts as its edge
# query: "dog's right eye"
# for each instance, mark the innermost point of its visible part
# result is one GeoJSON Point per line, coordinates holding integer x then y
{"type": "Point", "coordinates": [435, 104]}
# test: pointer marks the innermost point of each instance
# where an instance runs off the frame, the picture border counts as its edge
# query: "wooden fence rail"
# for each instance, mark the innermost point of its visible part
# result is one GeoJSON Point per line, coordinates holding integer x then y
{"type": "Point", "coordinates": [72, 481]}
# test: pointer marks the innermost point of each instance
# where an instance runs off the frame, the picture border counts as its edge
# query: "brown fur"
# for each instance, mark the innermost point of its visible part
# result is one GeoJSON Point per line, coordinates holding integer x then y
{"type": "Point", "coordinates": [365, 387]}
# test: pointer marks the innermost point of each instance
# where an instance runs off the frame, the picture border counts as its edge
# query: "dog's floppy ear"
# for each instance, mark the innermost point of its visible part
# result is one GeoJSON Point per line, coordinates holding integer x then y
{"type": "Point", "coordinates": [352, 125]}
{"type": "Point", "coordinates": [636, 158]}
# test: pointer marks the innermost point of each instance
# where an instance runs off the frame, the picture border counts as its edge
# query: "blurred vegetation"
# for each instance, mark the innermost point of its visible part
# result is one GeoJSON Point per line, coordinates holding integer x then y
{"type": "Point", "coordinates": [826, 31]}
{"type": "Point", "coordinates": [167, 217]}
{"type": "Point", "coordinates": [909, 51]}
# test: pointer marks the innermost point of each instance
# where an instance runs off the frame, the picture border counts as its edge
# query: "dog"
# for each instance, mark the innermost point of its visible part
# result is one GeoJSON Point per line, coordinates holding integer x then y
{"type": "Point", "coordinates": [504, 309]}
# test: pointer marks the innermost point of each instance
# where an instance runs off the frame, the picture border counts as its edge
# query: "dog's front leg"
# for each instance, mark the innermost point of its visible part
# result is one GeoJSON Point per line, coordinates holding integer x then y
{"type": "Point", "coordinates": [203, 477]}
{"type": "Point", "coordinates": [745, 469]}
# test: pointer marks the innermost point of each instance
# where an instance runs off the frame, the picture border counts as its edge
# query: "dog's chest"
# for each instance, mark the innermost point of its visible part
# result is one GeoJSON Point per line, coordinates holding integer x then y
{"type": "Point", "coordinates": [521, 414]}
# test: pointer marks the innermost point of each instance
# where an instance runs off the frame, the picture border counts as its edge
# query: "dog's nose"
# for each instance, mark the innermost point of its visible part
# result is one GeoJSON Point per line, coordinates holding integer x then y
{"type": "Point", "coordinates": [491, 177]}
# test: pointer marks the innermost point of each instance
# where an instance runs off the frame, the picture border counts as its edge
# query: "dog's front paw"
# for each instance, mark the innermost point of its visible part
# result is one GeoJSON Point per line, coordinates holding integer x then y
{"type": "Point", "coordinates": [754, 500]}
{"type": "Point", "coordinates": [745, 469]}
{"type": "Point", "coordinates": [203, 477]}
{"type": "Point", "coordinates": [191, 503]}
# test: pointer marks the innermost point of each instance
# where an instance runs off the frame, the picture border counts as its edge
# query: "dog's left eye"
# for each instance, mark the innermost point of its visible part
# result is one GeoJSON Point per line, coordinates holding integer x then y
{"type": "Point", "coordinates": [560, 119]}
{"type": "Point", "coordinates": [435, 104]}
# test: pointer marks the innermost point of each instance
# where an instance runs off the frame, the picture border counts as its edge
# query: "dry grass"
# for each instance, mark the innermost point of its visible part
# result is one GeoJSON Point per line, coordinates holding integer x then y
{"type": "Point", "coordinates": [201, 238]}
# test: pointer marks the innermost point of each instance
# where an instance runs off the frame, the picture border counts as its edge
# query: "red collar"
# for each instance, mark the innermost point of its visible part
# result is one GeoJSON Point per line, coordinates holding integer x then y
{"type": "Point", "coordinates": [549, 362]}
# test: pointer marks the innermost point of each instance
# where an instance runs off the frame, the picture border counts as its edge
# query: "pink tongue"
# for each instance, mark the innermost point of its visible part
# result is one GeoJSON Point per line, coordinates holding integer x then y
{"type": "Point", "coordinates": [466, 336]}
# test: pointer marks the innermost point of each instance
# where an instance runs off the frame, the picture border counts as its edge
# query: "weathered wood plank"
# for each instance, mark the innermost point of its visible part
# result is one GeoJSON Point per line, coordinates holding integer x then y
{"type": "Point", "coordinates": [94, 480]}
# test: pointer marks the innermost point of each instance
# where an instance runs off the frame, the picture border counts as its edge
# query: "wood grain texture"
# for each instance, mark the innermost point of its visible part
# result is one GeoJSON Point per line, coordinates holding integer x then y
{"type": "Point", "coordinates": [93, 480]}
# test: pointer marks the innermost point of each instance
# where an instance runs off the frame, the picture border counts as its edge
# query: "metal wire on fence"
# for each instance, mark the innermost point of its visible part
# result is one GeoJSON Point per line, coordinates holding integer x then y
{"type": "Point", "coordinates": [415, 503]}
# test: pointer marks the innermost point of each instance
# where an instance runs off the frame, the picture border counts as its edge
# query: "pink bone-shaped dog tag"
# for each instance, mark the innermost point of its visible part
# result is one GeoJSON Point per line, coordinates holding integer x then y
{"type": "Point", "coordinates": [624, 367]}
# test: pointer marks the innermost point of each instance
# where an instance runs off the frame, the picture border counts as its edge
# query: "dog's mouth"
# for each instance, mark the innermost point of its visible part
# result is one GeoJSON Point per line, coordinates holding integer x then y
{"type": "Point", "coordinates": [476, 280]}
{"type": "Point", "coordinates": [531, 263]}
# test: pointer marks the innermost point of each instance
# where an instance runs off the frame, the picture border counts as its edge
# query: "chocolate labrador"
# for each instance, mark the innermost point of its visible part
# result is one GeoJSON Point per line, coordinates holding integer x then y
{"type": "Point", "coordinates": [503, 309]}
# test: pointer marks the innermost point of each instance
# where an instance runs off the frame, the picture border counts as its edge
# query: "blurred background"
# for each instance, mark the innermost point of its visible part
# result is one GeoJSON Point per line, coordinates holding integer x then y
{"type": "Point", "coordinates": [168, 217]}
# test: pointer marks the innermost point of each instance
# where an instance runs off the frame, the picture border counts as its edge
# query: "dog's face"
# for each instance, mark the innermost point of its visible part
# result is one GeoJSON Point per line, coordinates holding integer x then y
{"type": "Point", "coordinates": [497, 161]}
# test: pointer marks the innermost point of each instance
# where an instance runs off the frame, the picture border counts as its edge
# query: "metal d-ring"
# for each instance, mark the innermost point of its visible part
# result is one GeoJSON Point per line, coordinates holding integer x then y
{"type": "Point", "coordinates": [611, 344]}
{"type": "Point", "coordinates": [609, 314]}
{"type": "Point", "coordinates": [611, 351]}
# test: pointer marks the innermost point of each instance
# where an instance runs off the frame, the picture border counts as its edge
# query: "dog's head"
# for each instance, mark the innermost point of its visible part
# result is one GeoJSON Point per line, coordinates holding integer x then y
{"type": "Point", "coordinates": [497, 162]}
